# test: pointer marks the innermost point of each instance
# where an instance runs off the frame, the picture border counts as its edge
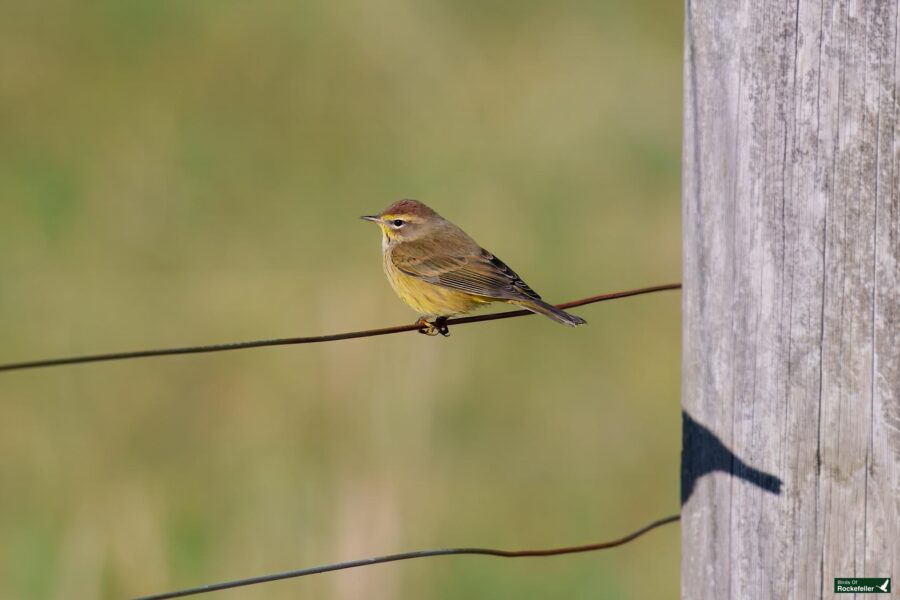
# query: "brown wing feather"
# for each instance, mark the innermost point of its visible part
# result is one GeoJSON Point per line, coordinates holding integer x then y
{"type": "Point", "coordinates": [482, 274]}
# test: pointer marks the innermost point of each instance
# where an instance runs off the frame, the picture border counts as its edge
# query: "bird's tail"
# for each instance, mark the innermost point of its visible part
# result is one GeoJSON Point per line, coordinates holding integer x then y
{"type": "Point", "coordinates": [548, 310]}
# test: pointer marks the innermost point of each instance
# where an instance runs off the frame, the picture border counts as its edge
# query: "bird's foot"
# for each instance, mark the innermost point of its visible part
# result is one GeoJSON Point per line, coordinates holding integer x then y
{"type": "Point", "coordinates": [439, 326]}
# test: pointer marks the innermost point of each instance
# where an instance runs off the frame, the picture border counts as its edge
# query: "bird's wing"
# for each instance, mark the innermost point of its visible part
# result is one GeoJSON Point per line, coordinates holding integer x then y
{"type": "Point", "coordinates": [482, 274]}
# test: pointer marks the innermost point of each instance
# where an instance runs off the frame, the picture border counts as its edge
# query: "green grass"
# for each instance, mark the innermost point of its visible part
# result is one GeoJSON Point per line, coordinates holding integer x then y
{"type": "Point", "coordinates": [178, 173]}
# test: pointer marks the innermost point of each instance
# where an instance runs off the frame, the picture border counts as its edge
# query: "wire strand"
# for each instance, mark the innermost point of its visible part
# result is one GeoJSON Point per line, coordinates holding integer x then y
{"type": "Point", "coordinates": [410, 555]}
{"type": "Point", "coordinates": [71, 360]}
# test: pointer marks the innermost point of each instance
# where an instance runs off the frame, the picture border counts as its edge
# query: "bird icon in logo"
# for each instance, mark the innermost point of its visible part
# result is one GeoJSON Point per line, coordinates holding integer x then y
{"type": "Point", "coordinates": [884, 586]}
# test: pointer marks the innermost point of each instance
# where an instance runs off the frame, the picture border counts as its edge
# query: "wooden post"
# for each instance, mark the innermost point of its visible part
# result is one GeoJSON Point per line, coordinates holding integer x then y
{"type": "Point", "coordinates": [791, 351]}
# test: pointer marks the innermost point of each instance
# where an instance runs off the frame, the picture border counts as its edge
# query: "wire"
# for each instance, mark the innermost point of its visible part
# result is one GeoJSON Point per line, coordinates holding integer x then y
{"type": "Point", "coordinates": [407, 556]}
{"type": "Point", "coordinates": [55, 362]}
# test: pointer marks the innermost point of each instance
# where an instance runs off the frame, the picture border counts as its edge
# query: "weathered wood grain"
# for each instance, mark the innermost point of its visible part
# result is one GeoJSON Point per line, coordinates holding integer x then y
{"type": "Point", "coordinates": [791, 351]}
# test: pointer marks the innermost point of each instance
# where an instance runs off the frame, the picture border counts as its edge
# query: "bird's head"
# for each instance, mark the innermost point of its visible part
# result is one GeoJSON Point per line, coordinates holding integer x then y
{"type": "Point", "coordinates": [406, 220]}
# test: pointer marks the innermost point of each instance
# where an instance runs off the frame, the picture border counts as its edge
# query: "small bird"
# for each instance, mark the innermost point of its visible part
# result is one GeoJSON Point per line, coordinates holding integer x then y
{"type": "Point", "coordinates": [439, 271]}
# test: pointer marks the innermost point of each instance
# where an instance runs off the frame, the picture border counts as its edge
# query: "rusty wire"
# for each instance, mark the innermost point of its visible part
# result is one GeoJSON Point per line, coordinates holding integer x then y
{"type": "Point", "coordinates": [71, 360]}
{"type": "Point", "coordinates": [376, 560]}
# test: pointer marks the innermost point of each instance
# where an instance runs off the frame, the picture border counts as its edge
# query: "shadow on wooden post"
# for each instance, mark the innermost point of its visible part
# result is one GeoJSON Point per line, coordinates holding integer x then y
{"type": "Point", "coordinates": [703, 453]}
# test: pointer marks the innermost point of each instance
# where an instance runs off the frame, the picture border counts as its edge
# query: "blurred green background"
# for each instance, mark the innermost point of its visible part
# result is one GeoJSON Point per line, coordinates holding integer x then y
{"type": "Point", "coordinates": [180, 172]}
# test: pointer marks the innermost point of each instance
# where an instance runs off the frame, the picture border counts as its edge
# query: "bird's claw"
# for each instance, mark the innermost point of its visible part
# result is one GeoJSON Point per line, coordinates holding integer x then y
{"type": "Point", "coordinates": [439, 326]}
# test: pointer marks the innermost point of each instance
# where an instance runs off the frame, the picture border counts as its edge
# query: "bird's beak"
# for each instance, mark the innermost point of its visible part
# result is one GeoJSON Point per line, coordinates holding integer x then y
{"type": "Point", "coordinates": [373, 218]}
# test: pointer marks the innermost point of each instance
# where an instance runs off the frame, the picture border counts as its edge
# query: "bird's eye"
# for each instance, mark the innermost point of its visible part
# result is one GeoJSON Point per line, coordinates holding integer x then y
{"type": "Point", "coordinates": [398, 222]}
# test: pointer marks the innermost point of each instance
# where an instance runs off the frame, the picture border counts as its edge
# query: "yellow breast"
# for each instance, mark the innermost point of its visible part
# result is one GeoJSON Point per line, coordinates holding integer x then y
{"type": "Point", "coordinates": [426, 298]}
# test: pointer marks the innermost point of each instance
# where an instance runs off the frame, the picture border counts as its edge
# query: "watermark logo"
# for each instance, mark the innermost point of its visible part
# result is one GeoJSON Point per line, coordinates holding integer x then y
{"type": "Point", "coordinates": [862, 585]}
